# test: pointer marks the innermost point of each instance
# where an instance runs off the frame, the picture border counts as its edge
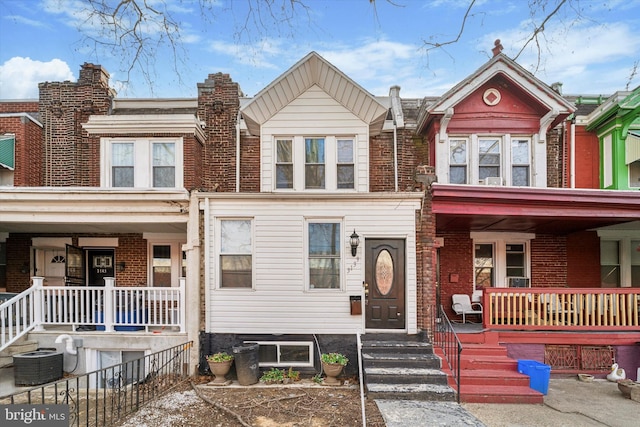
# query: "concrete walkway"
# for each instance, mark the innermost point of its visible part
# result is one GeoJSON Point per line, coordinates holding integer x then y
{"type": "Point", "coordinates": [569, 402]}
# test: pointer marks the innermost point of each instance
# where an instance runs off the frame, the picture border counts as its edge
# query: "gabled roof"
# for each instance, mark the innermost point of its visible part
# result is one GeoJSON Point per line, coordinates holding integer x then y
{"type": "Point", "coordinates": [624, 104]}
{"type": "Point", "coordinates": [499, 64]}
{"type": "Point", "coordinates": [313, 70]}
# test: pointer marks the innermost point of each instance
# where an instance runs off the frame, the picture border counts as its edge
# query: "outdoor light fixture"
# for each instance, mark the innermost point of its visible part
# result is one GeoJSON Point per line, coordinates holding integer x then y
{"type": "Point", "coordinates": [121, 266]}
{"type": "Point", "coordinates": [354, 240]}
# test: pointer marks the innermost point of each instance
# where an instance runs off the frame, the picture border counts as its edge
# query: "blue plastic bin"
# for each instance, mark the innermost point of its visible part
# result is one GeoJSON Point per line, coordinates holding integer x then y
{"type": "Point", "coordinates": [538, 373]}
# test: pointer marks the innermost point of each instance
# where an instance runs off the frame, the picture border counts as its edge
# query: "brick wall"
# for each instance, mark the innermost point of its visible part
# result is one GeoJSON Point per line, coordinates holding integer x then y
{"type": "Point", "coordinates": [19, 106]}
{"type": "Point", "coordinates": [549, 261]}
{"type": "Point", "coordinates": [218, 105]}
{"type": "Point", "coordinates": [456, 267]}
{"type": "Point", "coordinates": [555, 158]}
{"type": "Point", "coordinates": [250, 164]}
{"type": "Point", "coordinates": [69, 157]}
{"type": "Point", "coordinates": [583, 260]}
{"type": "Point", "coordinates": [28, 149]}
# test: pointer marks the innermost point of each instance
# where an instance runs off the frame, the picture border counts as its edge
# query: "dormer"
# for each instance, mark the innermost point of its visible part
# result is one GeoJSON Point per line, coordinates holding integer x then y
{"type": "Point", "coordinates": [491, 128]}
{"type": "Point", "coordinates": [314, 125]}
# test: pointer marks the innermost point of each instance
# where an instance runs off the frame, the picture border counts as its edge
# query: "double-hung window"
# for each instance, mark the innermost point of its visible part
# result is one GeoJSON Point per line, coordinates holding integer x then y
{"type": "Point", "coordinates": [324, 256]}
{"type": "Point", "coordinates": [345, 166]}
{"type": "Point", "coordinates": [489, 158]}
{"type": "Point", "coordinates": [499, 257]}
{"type": "Point", "coordinates": [141, 162]}
{"type": "Point", "coordinates": [236, 260]}
{"type": "Point", "coordinates": [314, 168]}
{"type": "Point", "coordinates": [314, 163]}
{"type": "Point", "coordinates": [520, 162]}
{"type": "Point", "coordinates": [458, 161]}
{"type": "Point", "coordinates": [284, 163]}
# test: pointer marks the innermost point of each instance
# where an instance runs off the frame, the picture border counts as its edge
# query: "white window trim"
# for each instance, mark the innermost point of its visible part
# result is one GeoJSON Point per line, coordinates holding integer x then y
{"type": "Point", "coordinates": [330, 162]}
{"type": "Point", "coordinates": [143, 161]}
{"type": "Point", "coordinates": [217, 252]}
{"type": "Point", "coordinates": [176, 257]}
{"type": "Point", "coordinates": [279, 344]}
{"type": "Point", "coordinates": [343, 249]}
{"type": "Point", "coordinates": [499, 242]}
{"type": "Point", "coordinates": [473, 159]}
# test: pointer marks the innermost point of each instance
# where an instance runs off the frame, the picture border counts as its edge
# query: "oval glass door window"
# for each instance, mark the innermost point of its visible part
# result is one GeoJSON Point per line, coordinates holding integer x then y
{"type": "Point", "coordinates": [384, 272]}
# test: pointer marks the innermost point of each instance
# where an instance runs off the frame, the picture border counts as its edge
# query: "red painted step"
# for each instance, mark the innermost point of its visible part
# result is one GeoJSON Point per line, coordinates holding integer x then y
{"type": "Point", "coordinates": [500, 394]}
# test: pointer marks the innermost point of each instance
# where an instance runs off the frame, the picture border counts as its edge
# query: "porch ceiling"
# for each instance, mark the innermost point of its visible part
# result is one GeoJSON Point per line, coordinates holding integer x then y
{"type": "Point", "coordinates": [534, 210]}
{"type": "Point", "coordinates": [91, 227]}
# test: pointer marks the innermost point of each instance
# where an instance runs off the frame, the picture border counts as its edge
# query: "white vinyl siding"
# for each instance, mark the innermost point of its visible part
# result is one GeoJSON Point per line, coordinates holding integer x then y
{"type": "Point", "coordinates": [280, 301]}
{"type": "Point", "coordinates": [315, 115]}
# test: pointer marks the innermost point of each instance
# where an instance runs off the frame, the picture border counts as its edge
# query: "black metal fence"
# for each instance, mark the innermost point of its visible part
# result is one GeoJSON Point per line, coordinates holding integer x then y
{"type": "Point", "coordinates": [444, 336]}
{"type": "Point", "coordinates": [106, 396]}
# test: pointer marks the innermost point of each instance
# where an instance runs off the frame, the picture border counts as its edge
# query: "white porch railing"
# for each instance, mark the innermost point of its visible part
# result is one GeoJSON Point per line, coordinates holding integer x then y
{"type": "Point", "coordinates": [16, 317]}
{"type": "Point", "coordinates": [108, 308]}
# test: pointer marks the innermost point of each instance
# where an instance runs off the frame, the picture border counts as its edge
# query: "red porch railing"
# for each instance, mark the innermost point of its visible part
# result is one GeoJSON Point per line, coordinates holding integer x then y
{"type": "Point", "coordinates": [585, 309]}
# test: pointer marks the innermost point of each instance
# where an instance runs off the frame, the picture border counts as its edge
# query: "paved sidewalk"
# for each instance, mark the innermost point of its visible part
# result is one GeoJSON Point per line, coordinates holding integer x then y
{"type": "Point", "coordinates": [569, 402]}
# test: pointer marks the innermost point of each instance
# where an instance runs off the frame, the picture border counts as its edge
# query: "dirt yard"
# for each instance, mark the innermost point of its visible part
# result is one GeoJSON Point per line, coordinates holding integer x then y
{"type": "Point", "coordinates": [301, 404]}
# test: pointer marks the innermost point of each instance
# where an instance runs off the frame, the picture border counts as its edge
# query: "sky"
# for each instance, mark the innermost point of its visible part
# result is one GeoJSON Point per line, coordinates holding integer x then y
{"type": "Point", "coordinates": [592, 47]}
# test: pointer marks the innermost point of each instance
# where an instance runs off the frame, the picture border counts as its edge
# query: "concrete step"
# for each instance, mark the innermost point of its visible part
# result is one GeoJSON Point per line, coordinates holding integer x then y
{"type": "Point", "coordinates": [391, 360]}
{"type": "Point", "coordinates": [425, 392]}
{"type": "Point", "coordinates": [21, 346]}
{"type": "Point", "coordinates": [397, 347]}
{"type": "Point", "coordinates": [405, 376]}
{"type": "Point", "coordinates": [6, 361]}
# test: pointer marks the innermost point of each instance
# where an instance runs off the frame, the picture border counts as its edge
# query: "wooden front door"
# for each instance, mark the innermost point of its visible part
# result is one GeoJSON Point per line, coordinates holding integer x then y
{"type": "Point", "coordinates": [384, 284]}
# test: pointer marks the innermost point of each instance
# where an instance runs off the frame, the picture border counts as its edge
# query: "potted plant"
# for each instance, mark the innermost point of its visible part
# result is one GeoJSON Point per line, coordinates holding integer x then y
{"type": "Point", "coordinates": [220, 364]}
{"type": "Point", "coordinates": [332, 365]}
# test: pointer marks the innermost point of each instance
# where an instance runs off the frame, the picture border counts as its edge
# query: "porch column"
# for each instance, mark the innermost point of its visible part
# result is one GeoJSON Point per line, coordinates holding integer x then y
{"type": "Point", "coordinates": [107, 303]}
{"type": "Point", "coordinates": [37, 296]}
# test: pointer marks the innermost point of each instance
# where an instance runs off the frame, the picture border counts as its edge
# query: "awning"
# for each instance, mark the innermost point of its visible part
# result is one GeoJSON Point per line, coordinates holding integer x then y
{"type": "Point", "coordinates": [632, 147]}
{"type": "Point", "coordinates": [7, 151]}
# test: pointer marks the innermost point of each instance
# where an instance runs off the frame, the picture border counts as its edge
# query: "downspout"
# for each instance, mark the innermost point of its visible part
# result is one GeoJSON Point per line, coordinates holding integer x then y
{"type": "Point", "coordinates": [238, 152]}
{"type": "Point", "coordinates": [572, 149]}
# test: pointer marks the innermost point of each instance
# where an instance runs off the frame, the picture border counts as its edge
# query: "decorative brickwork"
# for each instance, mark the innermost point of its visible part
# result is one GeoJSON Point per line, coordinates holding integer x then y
{"type": "Point", "coordinates": [69, 157]}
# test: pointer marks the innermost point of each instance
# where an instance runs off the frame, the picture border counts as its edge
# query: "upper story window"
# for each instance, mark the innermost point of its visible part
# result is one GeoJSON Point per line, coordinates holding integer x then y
{"type": "Point", "coordinates": [493, 160]}
{"type": "Point", "coordinates": [314, 163]}
{"type": "Point", "coordinates": [142, 163]}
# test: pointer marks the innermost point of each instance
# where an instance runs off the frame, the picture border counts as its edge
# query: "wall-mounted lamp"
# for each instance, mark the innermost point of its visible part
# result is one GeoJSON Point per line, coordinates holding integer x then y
{"type": "Point", "coordinates": [25, 268]}
{"type": "Point", "coordinates": [121, 266]}
{"type": "Point", "coordinates": [354, 241]}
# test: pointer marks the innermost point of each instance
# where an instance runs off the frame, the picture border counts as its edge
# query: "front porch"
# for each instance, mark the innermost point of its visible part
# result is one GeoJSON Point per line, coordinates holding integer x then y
{"type": "Point", "coordinates": [98, 309]}
{"type": "Point", "coordinates": [572, 330]}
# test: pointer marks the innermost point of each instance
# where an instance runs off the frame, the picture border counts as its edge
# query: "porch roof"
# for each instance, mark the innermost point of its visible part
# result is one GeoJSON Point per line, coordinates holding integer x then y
{"type": "Point", "coordinates": [92, 210]}
{"type": "Point", "coordinates": [537, 210]}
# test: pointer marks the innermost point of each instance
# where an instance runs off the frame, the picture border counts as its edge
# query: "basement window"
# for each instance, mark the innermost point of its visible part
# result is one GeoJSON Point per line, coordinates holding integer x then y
{"type": "Point", "coordinates": [285, 353]}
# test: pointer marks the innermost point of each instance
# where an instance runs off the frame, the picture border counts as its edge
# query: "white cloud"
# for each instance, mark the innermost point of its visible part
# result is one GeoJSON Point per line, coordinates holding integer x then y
{"type": "Point", "coordinates": [19, 77]}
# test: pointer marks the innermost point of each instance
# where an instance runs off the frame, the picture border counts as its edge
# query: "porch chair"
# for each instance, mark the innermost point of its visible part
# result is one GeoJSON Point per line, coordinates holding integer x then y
{"type": "Point", "coordinates": [462, 305]}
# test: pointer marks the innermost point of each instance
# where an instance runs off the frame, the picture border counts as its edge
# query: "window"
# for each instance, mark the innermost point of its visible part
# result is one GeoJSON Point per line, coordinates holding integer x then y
{"type": "Point", "coordinates": [520, 162]}
{"type": "Point", "coordinates": [122, 156]}
{"type": "Point", "coordinates": [284, 163]}
{"type": "Point", "coordinates": [345, 166]}
{"type": "Point", "coordinates": [164, 164]}
{"type": "Point", "coordinates": [324, 255]}
{"type": "Point", "coordinates": [635, 263]}
{"type": "Point", "coordinates": [488, 157]}
{"type": "Point", "coordinates": [165, 259]}
{"type": "Point", "coordinates": [609, 264]}
{"type": "Point", "coordinates": [161, 265]}
{"type": "Point", "coordinates": [141, 163]}
{"type": "Point", "coordinates": [500, 256]}
{"type": "Point", "coordinates": [279, 353]}
{"type": "Point", "coordinates": [458, 161]}
{"type": "Point", "coordinates": [235, 254]}
{"type": "Point", "coordinates": [314, 163]}
{"type": "Point", "coordinates": [484, 266]}
{"type": "Point", "coordinates": [634, 174]}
